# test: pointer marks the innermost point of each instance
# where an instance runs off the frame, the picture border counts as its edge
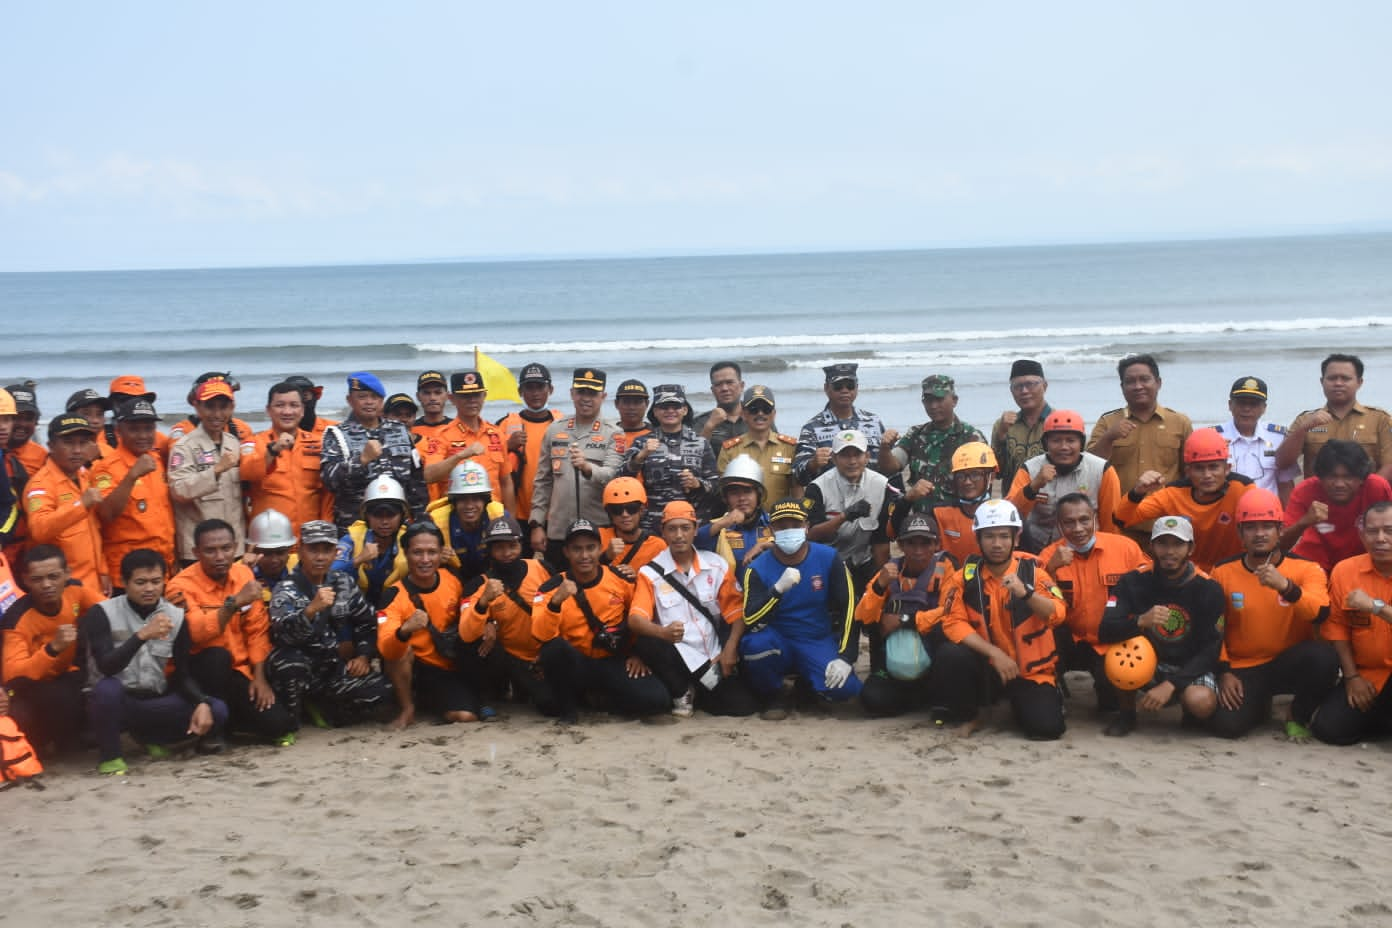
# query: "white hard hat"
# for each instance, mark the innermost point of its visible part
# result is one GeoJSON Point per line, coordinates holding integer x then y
{"type": "Point", "coordinates": [996, 513]}
{"type": "Point", "coordinates": [271, 530]}
{"type": "Point", "coordinates": [468, 478]}
{"type": "Point", "coordinates": [743, 469]}
{"type": "Point", "coordinates": [384, 488]}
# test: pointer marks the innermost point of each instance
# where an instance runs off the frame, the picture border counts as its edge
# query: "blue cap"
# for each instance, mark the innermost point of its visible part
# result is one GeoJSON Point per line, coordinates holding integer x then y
{"type": "Point", "coordinates": [362, 380]}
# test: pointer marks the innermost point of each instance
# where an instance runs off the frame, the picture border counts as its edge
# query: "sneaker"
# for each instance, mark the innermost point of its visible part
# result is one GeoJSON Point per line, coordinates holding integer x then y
{"type": "Point", "coordinates": [774, 714]}
{"type": "Point", "coordinates": [685, 704]}
{"type": "Point", "coordinates": [316, 717]}
{"type": "Point", "coordinates": [211, 744]}
{"type": "Point", "coordinates": [116, 767]}
{"type": "Point", "coordinates": [1122, 725]}
{"type": "Point", "coordinates": [158, 752]}
{"type": "Point", "coordinates": [286, 740]}
{"type": "Point", "coordinates": [488, 714]}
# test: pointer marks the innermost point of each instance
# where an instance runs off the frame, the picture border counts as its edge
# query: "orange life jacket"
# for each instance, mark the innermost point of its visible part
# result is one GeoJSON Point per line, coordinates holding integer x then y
{"type": "Point", "coordinates": [17, 759]}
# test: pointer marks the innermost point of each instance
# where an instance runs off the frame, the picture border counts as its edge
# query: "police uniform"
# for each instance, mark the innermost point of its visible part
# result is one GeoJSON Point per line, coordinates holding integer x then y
{"type": "Point", "coordinates": [1254, 456]}
{"type": "Point", "coordinates": [554, 503]}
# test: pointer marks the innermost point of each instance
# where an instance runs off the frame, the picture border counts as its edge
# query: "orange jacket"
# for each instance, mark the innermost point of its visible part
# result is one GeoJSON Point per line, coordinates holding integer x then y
{"type": "Point", "coordinates": [1088, 579]}
{"type": "Point", "coordinates": [247, 636]}
{"type": "Point", "coordinates": [290, 483]}
{"type": "Point", "coordinates": [441, 604]}
{"type": "Point", "coordinates": [934, 579]}
{"type": "Point", "coordinates": [514, 621]}
{"type": "Point", "coordinates": [1215, 523]}
{"type": "Point", "coordinates": [457, 436]}
{"type": "Point", "coordinates": [53, 502]}
{"type": "Point", "coordinates": [523, 466]}
{"type": "Point", "coordinates": [147, 521]}
{"type": "Point", "coordinates": [651, 547]}
{"type": "Point", "coordinates": [32, 455]}
{"type": "Point", "coordinates": [609, 596]}
{"type": "Point", "coordinates": [1259, 622]}
{"type": "Point", "coordinates": [27, 632]}
{"type": "Point", "coordinates": [977, 593]}
{"type": "Point", "coordinates": [955, 530]}
{"type": "Point", "coordinates": [1369, 637]}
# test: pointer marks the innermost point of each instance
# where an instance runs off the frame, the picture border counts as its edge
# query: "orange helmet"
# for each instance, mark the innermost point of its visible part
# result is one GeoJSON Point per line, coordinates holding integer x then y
{"type": "Point", "coordinates": [1131, 664]}
{"type": "Point", "coordinates": [623, 490]}
{"type": "Point", "coordinates": [1258, 505]}
{"type": "Point", "coordinates": [1064, 420]}
{"type": "Point", "coordinates": [7, 403]}
{"type": "Point", "coordinates": [1205, 445]}
{"type": "Point", "coordinates": [973, 455]}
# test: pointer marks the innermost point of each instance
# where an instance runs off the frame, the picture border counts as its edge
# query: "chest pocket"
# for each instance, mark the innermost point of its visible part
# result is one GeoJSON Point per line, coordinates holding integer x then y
{"type": "Point", "coordinates": [163, 650]}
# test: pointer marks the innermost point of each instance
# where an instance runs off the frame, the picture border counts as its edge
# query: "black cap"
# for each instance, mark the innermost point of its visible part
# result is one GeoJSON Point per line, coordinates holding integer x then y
{"type": "Point", "coordinates": [399, 399]}
{"type": "Point", "coordinates": [1026, 368]}
{"type": "Point", "coordinates": [534, 373]}
{"type": "Point", "coordinates": [69, 425]}
{"type": "Point", "coordinates": [581, 527]}
{"type": "Point", "coordinates": [86, 398]}
{"type": "Point", "coordinates": [136, 410]}
{"type": "Point", "coordinates": [758, 394]}
{"type": "Point", "coordinates": [503, 528]}
{"type": "Point", "coordinates": [587, 378]}
{"type": "Point", "coordinates": [23, 393]}
{"type": "Point", "coordinates": [844, 371]}
{"type": "Point", "coordinates": [302, 383]}
{"type": "Point", "coordinates": [430, 377]}
{"type": "Point", "coordinates": [465, 383]}
{"type": "Point", "coordinates": [1248, 386]}
{"type": "Point", "coordinates": [632, 388]}
{"type": "Point", "coordinates": [665, 393]}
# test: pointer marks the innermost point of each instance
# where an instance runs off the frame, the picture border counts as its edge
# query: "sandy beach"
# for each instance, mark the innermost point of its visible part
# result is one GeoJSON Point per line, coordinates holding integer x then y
{"type": "Point", "coordinates": [822, 819]}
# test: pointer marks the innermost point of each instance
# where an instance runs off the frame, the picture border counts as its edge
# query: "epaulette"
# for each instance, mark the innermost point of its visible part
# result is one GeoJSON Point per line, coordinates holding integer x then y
{"type": "Point", "coordinates": [1278, 429]}
{"type": "Point", "coordinates": [1109, 412]}
{"type": "Point", "coordinates": [1218, 429]}
{"type": "Point", "coordinates": [730, 442]}
{"type": "Point", "coordinates": [786, 439]}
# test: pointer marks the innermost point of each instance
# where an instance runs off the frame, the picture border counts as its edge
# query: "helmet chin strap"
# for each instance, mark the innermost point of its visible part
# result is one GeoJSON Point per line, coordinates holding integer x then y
{"type": "Point", "coordinates": [979, 499]}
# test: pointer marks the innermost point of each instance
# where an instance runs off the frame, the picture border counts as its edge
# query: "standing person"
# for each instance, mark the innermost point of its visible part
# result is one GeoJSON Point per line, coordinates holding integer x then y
{"type": "Point", "coordinates": [927, 449]}
{"type": "Point", "coordinates": [136, 652]}
{"type": "Point", "coordinates": [135, 510]}
{"type": "Point", "coordinates": [1341, 418]}
{"type": "Point", "coordinates": [1180, 611]}
{"type": "Point", "coordinates": [230, 633]}
{"type": "Point", "coordinates": [21, 442]}
{"type": "Point", "coordinates": [281, 469]}
{"type": "Point", "coordinates": [1270, 644]}
{"type": "Point", "coordinates": [673, 462]}
{"type": "Point", "coordinates": [38, 641]}
{"type": "Point", "coordinates": [627, 545]}
{"type": "Point", "coordinates": [1253, 443]}
{"type": "Point", "coordinates": [1360, 627]}
{"type": "Point", "coordinates": [1207, 497]}
{"type": "Point", "coordinates": [799, 615]}
{"type": "Point", "coordinates": [12, 478]}
{"type": "Point", "coordinates": [310, 394]}
{"type": "Point", "coordinates": [1002, 609]}
{"type": "Point", "coordinates": [92, 406]}
{"type": "Point", "coordinates": [239, 429]}
{"type": "Point", "coordinates": [470, 437]}
{"type": "Point", "coordinates": [61, 503]}
{"type": "Point", "coordinates": [581, 619]}
{"type": "Point", "coordinates": [418, 635]}
{"type": "Point", "coordinates": [631, 403]}
{"type": "Point", "coordinates": [324, 634]}
{"type": "Point", "coordinates": [432, 390]}
{"type": "Point", "coordinates": [123, 390]}
{"type": "Point", "coordinates": [813, 453]}
{"type": "Point", "coordinates": [687, 618]}
{"type": "Point", "coordinates": [403, 409]}
{"type": "Point", "coordinates": [850, 509]}
{"type": "Point", "coordinates": [973, 466]}
{"type": "Point", "coordinates": [1321, 517]}
{"type": "Point", "coordinates": [1018, 434]}
{"type": "Point", "coordinates": [577, 457]}
{"type": "Point", "coordinates": [1086, 564]}
{"type": "Point", "coordinates": [724, 422]}
{"type": "Point", "coordinates": [365, 446]}
{"type": "Point", "coordinates": [371, 550]}
{"type": "Point", "coordinates": [524, 430]}
{"type": "Point", "coordinates": [1063, 468]}
{"type": "Point", "coordinates": [1141, 436]}
{"type": "Point", "coordinates": [773, 451]}
{"type": "Point", "coordinates": [205, 479]}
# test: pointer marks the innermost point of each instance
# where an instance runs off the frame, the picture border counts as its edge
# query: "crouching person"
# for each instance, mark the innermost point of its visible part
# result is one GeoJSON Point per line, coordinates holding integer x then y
{"type": "Point", "coordinates": [137, 658]}
{"type": "Point", "coordinates": [687, 618]}
{"type": "Point", "coordinates": [418, 634]}
{"type": "Point", "coordinates": [325, 637]}
{"type": "Point", "coordinates": [798, 615]}
{"type": "Point", "coordinates": [999, 627]}
{"type": "Point", "coordinates": [581, 619]}
{"type": "Point", "coordinates": [903, 600]}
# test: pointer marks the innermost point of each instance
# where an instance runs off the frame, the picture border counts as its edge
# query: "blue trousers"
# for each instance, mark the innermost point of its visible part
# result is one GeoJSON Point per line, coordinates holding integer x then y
{"type": "Point", "coordinates": [157, 720]}
{"type": "Point", "coordinates": [769, 656]}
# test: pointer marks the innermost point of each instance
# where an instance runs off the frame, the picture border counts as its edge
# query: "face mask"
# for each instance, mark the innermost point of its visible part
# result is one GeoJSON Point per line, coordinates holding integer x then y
{"type": "Point", "coordinates": [789, 540]}
{"type": "Point", "coordinates": [1084, 549]}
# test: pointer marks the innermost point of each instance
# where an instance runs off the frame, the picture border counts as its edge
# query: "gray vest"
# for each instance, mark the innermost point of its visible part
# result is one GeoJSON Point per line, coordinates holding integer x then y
{"type": "Point", "coordinates": [145, 672]}
{"type": "Point", "coordinates": [1041, 528]}
{"type": "Point", "coordinates": [852, 539]}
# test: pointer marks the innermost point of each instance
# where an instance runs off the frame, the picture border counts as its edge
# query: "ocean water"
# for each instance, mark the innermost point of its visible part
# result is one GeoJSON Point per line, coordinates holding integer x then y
{"type": "Point", "coordinates": [1210, 312]}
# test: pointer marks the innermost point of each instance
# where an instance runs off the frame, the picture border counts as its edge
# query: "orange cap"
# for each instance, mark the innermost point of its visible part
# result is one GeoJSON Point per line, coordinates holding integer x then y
{"type": "Point", "coordinates": [130, 385]}
{"type": "Point", "coordinates": [678, 509]}
{"type": "Point", "coordinates": [1205, 445]}
{"type": "Point", "coordinates": [1258, 505]}
{"type": "Point", "coordinates": [211, 388]}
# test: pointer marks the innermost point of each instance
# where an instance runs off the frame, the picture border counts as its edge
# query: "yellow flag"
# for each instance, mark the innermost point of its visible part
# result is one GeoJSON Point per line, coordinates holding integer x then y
{"type": "Point", "coordinates": [498, 379]}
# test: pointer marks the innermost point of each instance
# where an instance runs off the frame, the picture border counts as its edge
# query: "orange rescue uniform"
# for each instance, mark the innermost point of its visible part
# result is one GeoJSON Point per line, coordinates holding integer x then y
{"type": "Point", "coordinates": [290, 483]}
{"type": "Point", "coordinates": [609, 595]}
{"type": "Point", "coordinates": [514, 621]}
{"type": "Point", "coordinates": [958, 538]}
{"type": "Point", "coordinates": [441, 604]}
{"type": "Point", "coordinates": [1259, 622]}
{"type": "Point", "coordinates": [147, 521]}
{"type": "Point", "coordinates": [1105, 501]}
{"type": "Point", "coordinates": [650, 548]}
{"type": "Point", "coordinates": [870, 609]}
{"type": "Point", "coordinates": [31, 454]}
{"type": "Point", "coordinates": [523, 466]}
{"type": "Point", "coordinates": [247, 636]}
{"type": "Point", "coordinates": [53, 505]}
{"type": "Point", "coordinates": [1215, 523]}
{"type": "Point", "coordinates": [28, 632]}
{"type": "Point", "coordinates": [1370, 637]}
{"type": "Point", "coordinates": [457, 436]}
{"type": "Point", "coordinates": [1087, 581]}
{"type": "Point", "coordinates": [1030, 645]}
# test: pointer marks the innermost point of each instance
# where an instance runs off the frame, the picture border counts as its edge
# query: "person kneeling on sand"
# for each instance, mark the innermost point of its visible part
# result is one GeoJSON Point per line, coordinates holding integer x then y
{"type": "Point", "coordinates": [687, 618]}
{"type": "Point", "coordinates": [798, 614]}
{"type": "Point", "coordinates": [137, 657]}
{"type": "Point", "coordinates": [1180, 610]}
{"type": "Point", "coordinates": [1003, 609]}
{"type": "Point", "coordinates": [418, 634]}
{"type": "Point", "coordinates": [581, 619]}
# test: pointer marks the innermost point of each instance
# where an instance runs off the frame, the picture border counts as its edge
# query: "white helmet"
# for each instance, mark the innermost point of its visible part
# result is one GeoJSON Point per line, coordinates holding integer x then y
{"type": "Point", "coordinates": [743, 469]}
{"type": "Point", "coordinates": [271, 530]}
{"type": "Point", "coordinates": [385, 488]}
{"type": "Point", "coordinates": [996, 513]}
{"type": "Point", "coordinates": [468, 478]}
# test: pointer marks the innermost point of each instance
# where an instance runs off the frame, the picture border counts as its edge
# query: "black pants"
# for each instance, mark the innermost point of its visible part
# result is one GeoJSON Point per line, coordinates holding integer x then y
{"type": "Point", "coordinates": [529, 684]}
{"type": "Point", "coordinates": [968, 682]}
{"type": "Point", "coordinates": [212, 668]}
{"type": "Point", "coordinates": [883, 696]}
{"type": "Point", "coordinates": [573, 675]}
{"type": "Point", "coordinates": [49, 712]}
{"type": "Point", "coordinates": [1079, 655]}
{"type": "Point", "coordinates": [1309, 670]}
{"type": "Point", "coordinates": [1337, 722]}
{"type": "Point", "coordinates": [488, 675]}
{"type": "Point", "coordinates": [730, 697]}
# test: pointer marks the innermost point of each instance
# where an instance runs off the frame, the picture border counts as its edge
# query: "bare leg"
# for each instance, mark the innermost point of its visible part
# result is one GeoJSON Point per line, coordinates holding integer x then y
{"type": "Point", "coordinates": [399, 673]}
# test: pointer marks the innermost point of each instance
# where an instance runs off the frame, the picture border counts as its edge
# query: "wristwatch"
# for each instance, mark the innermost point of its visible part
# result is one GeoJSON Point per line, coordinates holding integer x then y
{"type": "Point", "coordinates": [1378, 606]}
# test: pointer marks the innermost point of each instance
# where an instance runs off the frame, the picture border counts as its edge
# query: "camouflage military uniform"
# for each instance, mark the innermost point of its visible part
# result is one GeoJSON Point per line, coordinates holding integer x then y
{"type": "Point", "coordinates": [929, 451]}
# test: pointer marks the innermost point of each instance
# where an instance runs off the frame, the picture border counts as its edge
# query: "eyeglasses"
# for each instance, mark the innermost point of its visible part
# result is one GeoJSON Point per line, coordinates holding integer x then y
{"type": "Point", "coordinates": [626, 509]}
{"type": "Point", "coordinates": [1020, 386]}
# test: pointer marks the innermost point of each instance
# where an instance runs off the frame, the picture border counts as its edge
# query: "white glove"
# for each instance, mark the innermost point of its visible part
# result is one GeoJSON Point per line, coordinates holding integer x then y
{"type": "Point", "coordinates": [790, 578]}
{"type": "Point", "coordinates": [837, 673]}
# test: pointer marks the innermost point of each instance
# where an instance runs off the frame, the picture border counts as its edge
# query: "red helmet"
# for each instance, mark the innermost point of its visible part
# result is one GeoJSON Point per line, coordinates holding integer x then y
{"type": "Point", "coordinates": [1258, 505]}
{"type": "Point", "coordinates": [1205, 445]}
{"type": "Point", "coordinates": [1064, 420]}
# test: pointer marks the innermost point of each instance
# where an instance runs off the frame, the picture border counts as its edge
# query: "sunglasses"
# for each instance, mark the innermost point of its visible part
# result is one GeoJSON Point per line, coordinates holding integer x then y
{"type": "Point", "coordinates": [626, 509]}
{"type": "Point", "coordinates": [759, 409]}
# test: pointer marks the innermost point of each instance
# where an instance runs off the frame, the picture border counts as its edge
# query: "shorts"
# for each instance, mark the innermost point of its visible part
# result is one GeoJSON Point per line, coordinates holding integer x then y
{"type": "Point", "coordinates": [440, 690]}
{"type": "Point", "coordinates": [1165, 671]}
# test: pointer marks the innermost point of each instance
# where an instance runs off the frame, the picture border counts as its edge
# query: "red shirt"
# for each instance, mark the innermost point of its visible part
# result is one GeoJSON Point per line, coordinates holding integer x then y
{"type": "Point", "coordinates": [1336, 539]}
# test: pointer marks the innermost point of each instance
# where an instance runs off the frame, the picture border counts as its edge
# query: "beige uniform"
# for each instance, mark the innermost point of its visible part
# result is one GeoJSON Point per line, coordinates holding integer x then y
{"type": "Point", "coordinates": [775, 457]}
{"type": "Point", "coordinates": [1369, 426]}
{"type": "Point", "coordinates": [1156, 444]}
{"type": "Point", "coordinates": [200, 494]}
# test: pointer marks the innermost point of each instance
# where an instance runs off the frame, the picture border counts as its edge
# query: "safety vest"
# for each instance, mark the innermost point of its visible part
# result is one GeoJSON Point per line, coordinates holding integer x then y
{"type": "Point", "coordinates": [852, 539]}
{"type": "Point", "coordinates": [358, 532]}
{"type": "Point", "coordinates": [1032, 637]}
{"type": "Point", "coordinates": [1041, 527]}
{"type": "Point", "coordinates": [145, 672]}
{"type": "Point", "coordinates": [921, 592]}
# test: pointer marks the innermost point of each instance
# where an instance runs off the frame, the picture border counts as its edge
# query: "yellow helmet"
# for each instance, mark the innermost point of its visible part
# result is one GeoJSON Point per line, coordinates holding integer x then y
{"type": "Point", "coordinates": [973, 456]}
{"type": "Point", "coordinates": [7, 403]}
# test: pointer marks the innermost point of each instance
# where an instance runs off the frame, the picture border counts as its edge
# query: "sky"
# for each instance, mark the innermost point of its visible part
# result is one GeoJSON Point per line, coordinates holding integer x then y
{"type": "Point", "coordinates": [148, 134]}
